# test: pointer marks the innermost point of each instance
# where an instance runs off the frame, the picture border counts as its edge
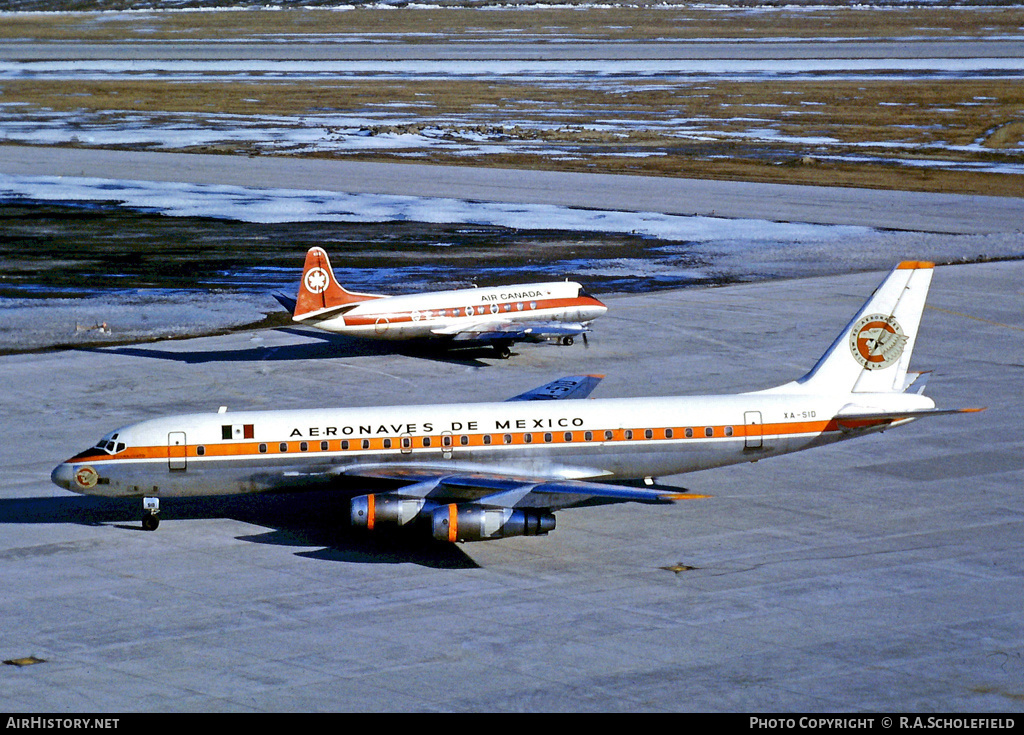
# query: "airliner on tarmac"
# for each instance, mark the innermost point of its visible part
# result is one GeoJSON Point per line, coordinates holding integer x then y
{"type": "Point", "coordinates": [493, 470]}
{"type": "Point", "coordinates": [498, 316]}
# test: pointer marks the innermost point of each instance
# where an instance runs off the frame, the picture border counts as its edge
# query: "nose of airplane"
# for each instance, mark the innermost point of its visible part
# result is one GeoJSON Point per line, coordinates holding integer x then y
{"type": "Point", "coordinates": [594, 307]}
{"type": "Point", "coordinates": [62, 476]}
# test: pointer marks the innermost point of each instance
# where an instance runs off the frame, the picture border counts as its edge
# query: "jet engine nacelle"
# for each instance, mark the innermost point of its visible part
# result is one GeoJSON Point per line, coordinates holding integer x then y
{"type": "Point", "coordinates": [369, 510]}
{"type": "Point", "coordinates": [475, 523]}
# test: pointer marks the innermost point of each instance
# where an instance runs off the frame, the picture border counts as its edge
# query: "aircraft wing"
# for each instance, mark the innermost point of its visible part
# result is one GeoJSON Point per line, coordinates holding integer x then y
{"type": "Point", "coordinates": [494, 331]}
{"type": "Point", "coordinates": [495, 490]}
{"type": "Point", "coordinates": [571, 386]}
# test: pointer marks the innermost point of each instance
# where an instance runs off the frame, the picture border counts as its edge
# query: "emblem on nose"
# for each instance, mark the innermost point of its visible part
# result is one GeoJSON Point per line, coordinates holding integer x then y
{"type": "Point", "coordinates": [86, 477]}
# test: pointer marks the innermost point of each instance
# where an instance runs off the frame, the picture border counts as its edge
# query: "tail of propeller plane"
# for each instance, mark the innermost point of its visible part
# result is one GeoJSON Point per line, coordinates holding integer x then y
{"type": "Point", "coordinates": [319, 290]}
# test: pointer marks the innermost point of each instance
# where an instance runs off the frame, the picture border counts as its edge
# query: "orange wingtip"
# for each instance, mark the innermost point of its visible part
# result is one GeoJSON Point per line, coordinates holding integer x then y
{"type": "Point", "coordinates": [686, 496]}
{"type": "Point", "coordinates": [914, 264]}
{"type": "Point", "coordinates": [973, 410]}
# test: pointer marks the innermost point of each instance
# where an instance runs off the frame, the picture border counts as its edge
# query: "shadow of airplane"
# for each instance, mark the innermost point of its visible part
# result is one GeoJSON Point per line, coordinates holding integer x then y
{"type": "Point", "coordinates": [315, 518]}
{"type": "Point", "coordinates": [327, 347]}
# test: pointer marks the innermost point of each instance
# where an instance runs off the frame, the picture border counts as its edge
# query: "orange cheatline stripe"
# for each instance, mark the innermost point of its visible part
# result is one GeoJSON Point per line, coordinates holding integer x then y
{"type": "Point", "coordinates": [397, 317]}
{"type": "Point", "coordinates": [518, 439]}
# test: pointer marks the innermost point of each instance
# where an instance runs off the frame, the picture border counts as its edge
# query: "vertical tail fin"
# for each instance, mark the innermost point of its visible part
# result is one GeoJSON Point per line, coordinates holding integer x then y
{"type": "Point", "coordinates": [872, 354]}
{"type": "Point", "coordinates": [319, 291]}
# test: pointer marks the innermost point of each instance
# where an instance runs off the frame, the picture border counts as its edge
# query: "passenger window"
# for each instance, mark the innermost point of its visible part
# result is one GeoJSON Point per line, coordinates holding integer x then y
{"type": "Point", "coordinates": [728, 431]}
{"type": "Point", "coordinates": [689, 433]}
{"type": "Point", "coordinates": [304, 446]}
{"type": "Point", "coordinates": [387, 444]}
{"type": "Point", "coordinates": [366, 443]}
{"type": "Point", "coordinates": [263, 448]}
{"type": "Point", "coordinates": [528, 438]}
{"type": "Point", "coordinates": [547, 436]}
{"type": "Point", "coordinates": [628, 434]}
{"type": "Point", "coordinates": [426, 441]}
{"type": "Point", "coordinates": [588, 436]}
{"type": "Point", "coordinates": [709, 431]}
{"type": "Point", "coordinates": [609, 435]}
{"type": "Point", "coordinates": [323, 446]}
{"type": "Point", "coordinates": [463, 440]}
{"type": "Point", "coordinates": [200, 450]}
{"type": "Point", "coordinates": [669, 433]}
{"type": "Point", "coordinates": [344, 443]}
{"type": "Point", "coordinates": [507, 438]}
{"type": "Point", "coordinates": [283, 446]}
{"type": "Point", "coordinates": [567, 436]}
{"type": "Point", "coordinates": [487, 438]}
{"type": "Point", "coordinates": [649, 434]}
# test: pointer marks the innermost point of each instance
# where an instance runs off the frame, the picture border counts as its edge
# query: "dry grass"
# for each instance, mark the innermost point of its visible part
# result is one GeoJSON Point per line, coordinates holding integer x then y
{"type": "Point", "coordinates": [638, 20]}
{"type": "Point", "coordinates": [891, 125]}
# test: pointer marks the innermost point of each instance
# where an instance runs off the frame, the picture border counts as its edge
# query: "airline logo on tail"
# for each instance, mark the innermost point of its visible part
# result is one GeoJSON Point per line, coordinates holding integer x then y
{"type": "Point", "coordinates": [317, 280]}
{"type": "Point", "coordinates": [877, 341]}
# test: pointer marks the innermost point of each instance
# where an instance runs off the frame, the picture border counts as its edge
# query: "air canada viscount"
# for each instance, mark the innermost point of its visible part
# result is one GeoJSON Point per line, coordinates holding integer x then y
{"type": "Point", "coordinates": [495, 316]}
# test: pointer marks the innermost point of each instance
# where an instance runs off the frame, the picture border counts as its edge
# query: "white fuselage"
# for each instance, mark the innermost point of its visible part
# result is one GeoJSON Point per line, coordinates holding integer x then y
{"type": "Point", "coordinates": [441, 313]}
{"type": "Point", "coordinates": [253, 451]}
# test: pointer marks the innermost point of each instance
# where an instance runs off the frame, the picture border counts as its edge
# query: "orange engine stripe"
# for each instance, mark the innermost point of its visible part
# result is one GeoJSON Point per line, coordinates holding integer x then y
{"type": "Point", "coordinates": [453, 522]}
{"type": "Point", "coordinates": [371, 510]}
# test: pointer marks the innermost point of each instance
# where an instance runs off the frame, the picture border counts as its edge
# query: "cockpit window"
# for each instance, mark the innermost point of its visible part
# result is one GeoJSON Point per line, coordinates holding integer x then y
{"type": "Point", "coordinates": [109, 445]}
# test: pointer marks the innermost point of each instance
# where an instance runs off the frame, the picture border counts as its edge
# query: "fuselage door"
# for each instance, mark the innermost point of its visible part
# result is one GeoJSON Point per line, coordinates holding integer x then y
{"type": "Point", "coordinates": [447, 444]}
{"type": "Point", "coordinates": [176, 452]}
{"type": "Point", "coordinates": [754, 434]}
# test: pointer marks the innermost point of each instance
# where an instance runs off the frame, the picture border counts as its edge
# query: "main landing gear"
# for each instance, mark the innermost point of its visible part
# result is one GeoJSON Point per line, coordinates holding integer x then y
{"type": "Point", "coordinates": [503, 351]}
{"type": "Point", "coordinates": [150, 508]}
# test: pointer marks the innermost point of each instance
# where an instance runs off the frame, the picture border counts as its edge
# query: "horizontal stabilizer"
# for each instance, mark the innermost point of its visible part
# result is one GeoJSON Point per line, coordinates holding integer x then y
{"type": "Point", "coordinates": [854, 418]}
{"type": "Point", "coordinates": [286, 301]}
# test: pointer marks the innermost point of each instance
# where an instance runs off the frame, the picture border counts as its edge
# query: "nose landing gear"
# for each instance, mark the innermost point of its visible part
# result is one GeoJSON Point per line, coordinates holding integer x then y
{"type": "Point", "coordinates": [150, 509]}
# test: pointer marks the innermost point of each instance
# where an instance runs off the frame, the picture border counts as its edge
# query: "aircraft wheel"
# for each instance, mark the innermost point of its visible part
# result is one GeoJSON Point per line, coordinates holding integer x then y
{"type": "Point", "coordinates": [568, 341]}
{"type": "Point", "coordinates": [503, 352]}
{"type": "Point", "coordinates": [150, 522]}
